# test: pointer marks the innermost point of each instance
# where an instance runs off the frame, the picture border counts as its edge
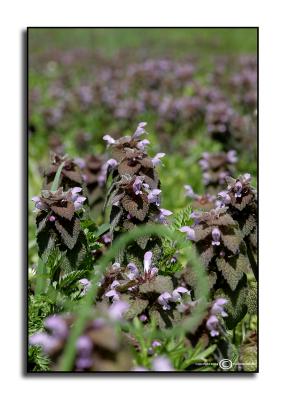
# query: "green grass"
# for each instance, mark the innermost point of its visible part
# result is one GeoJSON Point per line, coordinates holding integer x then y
{"type": "Point", "coordinates": [175, 41]}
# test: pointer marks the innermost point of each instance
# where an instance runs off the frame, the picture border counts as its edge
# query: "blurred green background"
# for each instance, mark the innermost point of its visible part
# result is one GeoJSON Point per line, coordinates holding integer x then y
{"type": "Point", "coordinates": [203, 41]}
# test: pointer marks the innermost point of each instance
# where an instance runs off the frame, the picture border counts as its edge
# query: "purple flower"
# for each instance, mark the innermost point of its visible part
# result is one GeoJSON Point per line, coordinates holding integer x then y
{"type": "Point", "coordinates": [137, 185]}
{"type": "Point", "coordinates": [74, 192]}
{"type": "Point", "coordinates": [212, 325]}
{"type": "Point", "coordinates": [164, 299]}
{"type": "Point", "coordinates": [176, 294]}
{"type": "Point", "coordinates": [83, 363]}
{"type": "Point", "coordinates": [52, 218]}
{"type": "Point", "coordinates": [162, 363]}
{"type": "Point", "coordinates": [237, 189]}
{"type": "Point", "coordinates": [153, 196]}
{"type": "Point", "coordinates": [78, 204]}
{"type": "Point", "coordinates": [189, 231]}
{"type": "Point", "coordinates": [113, 294]}
{"type": "Point", "coordinates": [47, 342]}
{"type": "Point", "coordinates": [76, 198]}
{"type": "Point", "coordinates": [108, 139]}
{"type": "Point", "coordinates": [225, 197]}
{"type": "Point", "coordinates": [84, 346]}
{"type": "Point", "coordinates": [218, 307]}
{"type": "Point", "coordinates": [39, 204]}
{"type": "Point", "coordinates": [189, 191]}
{"type": "Point", "coordinates": [57, 325]}
{"type": "Point", "coordinates": [163, 214]}
{"type": "Point", "coordinates": [140, 130]}
{"type": "Point", "coordinates": [216, 237]}
{"type": "Point", "coordinates": [142, 144]}
{"type": "Point", "coordinates": [196, 216]}
{"type": "Point", "coordinates": [246, 178]}
{"type": "Point", "coordinates": [156, 343]}
{"type": "Point", "coordinates": [114, 284]}
{"type": "Point", "coordinates": [106, 238]}
{"type": "Point", "coordinates": [117, 309]}
{"type": "Point", "coordinates": [231, 156]}
{"type": "Point", "coordinates": [143, 318]}
{"type": "Point", "coordinates": [86, 285]}
{"type": "Point", "coordinates": [157, 159]}
{"type": "Point", "coordinates": [133, 271]}
{"type": "Point", "coordinates": [111, 163]}
{"type": "Point", "coordinates": [204, 164]}
{"type": "Point", "coordinates": [147, 261]}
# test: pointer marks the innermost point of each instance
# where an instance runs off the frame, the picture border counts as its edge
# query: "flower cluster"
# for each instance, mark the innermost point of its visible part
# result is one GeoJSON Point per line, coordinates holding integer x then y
{"type": "Point", "coordinates": [59, 203]}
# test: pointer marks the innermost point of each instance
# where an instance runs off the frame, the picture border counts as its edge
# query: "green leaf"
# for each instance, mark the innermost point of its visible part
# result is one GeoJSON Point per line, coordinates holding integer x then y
{"type": "Point", "coordinates": [101, 230]}
{"type": "Point", "coordinates": [57, 177]}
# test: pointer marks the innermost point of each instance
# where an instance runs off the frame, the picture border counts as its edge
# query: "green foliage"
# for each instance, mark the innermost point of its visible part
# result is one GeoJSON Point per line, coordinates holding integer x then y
{"type": "Point", "coordinates": [37, 360]}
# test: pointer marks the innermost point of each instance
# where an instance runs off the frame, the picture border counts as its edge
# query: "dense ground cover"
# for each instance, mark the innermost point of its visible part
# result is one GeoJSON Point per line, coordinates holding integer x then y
{"type": "Point", "coordinates": [142, 172]}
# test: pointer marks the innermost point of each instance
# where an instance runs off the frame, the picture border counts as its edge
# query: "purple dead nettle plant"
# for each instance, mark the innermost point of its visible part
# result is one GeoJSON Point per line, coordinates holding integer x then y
{"type": "Point", "coordinates": [225, 239]}
{"type": "Point", "coordinates": [241, 200]}
{"type": "Point", "coordinates": [134, 194]}
{"type": "Point", "coordinates": [148, 293]}
{"type": "Point", "coordinates": [58, 216]}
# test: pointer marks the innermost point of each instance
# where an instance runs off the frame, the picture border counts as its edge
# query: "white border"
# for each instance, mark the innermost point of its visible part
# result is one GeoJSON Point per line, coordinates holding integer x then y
{"type": "Point", "coordinates": [15, 16]}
